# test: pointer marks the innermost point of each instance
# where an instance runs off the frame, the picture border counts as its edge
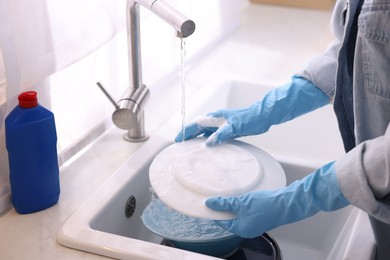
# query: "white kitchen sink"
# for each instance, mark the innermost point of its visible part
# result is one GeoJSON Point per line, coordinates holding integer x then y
{"type": "Point", "coordinates": [101, 226]}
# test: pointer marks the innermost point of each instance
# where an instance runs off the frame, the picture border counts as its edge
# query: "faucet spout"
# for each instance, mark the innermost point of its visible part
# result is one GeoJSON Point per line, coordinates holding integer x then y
{"type": "Point", "coordinates": [184, 26]}
{"type": "Point", "coordinates": [174, 18]}
{"type": "Point", "coordinates": [129, 111]}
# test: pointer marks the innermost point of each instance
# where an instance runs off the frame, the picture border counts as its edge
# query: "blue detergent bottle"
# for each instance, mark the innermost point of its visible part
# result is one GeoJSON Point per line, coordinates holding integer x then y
{"type": "Point", "coordinates": [31, 142]}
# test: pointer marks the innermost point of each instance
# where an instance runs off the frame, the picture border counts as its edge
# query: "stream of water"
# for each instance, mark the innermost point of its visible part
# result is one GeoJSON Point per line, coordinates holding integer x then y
{"type": "Point", "coordinates": [183, 87]}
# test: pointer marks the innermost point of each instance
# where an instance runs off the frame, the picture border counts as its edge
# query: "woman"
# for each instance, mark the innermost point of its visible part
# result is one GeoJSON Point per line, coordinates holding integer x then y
{"type": "Point", "coordinates": [354, 75]}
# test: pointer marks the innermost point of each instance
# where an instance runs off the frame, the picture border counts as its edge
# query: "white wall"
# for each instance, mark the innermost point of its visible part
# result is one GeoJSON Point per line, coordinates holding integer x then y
{"type": "Point", "coordinates": [4, 180]}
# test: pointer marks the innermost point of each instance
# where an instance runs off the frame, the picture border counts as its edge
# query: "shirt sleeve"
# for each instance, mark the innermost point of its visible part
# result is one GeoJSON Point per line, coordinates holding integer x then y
{"type": "Point", "coordinates": [364, 176]}
{"type": "Point", "coordinates": [321, 69]}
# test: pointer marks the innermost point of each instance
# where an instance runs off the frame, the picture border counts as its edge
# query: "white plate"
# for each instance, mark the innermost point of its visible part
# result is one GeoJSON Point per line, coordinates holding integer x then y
{"type": "Point", "coordinates": [185, 174]}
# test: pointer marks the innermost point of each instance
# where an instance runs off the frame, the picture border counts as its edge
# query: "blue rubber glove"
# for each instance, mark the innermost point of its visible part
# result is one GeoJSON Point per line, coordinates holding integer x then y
{"type": "Point", "coordinates": [261, 211]}
{"type": "Point", "coordinates": [279, 105]}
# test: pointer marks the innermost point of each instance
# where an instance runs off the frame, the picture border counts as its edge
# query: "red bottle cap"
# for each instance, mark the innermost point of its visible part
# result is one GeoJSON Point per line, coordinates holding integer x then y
{"type": "Point", "coordinates": [28, 99]}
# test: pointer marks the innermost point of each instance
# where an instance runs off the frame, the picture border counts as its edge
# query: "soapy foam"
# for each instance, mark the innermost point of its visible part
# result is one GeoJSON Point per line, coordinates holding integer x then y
{"type": "Point", "coordinates": [217, 171]}
{"type": "Point", "coordinates": [209, 121]}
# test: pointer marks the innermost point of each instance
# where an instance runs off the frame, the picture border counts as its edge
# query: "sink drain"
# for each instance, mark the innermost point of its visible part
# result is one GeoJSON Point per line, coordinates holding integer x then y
{"type": "Point", "coordinates": [130, 206]}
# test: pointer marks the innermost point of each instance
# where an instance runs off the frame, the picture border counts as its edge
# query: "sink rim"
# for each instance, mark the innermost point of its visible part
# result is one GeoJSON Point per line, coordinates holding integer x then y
{"type": "Point", "coordinates": [77, 232]}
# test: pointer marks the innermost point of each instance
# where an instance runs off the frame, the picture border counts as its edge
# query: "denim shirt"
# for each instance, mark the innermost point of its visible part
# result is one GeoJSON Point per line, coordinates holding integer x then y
{"type": "Point", "coordinates": [355, 72]}
{"type": "Point", "coordinates": [372, 73]}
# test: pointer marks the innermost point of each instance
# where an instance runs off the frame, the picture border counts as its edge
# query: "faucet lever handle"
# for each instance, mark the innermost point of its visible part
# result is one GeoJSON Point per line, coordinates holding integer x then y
{"type": "Point", "coordinates": [113, 102]}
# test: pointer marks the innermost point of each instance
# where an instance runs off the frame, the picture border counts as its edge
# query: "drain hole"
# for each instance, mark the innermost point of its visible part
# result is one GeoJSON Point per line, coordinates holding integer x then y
{"type": "Point", "coordinates": [130, 206]}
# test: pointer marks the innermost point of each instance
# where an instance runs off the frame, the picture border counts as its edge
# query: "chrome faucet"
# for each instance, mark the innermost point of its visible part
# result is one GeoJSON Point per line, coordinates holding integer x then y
{"type": "Point", "coordinates": [129, 111]}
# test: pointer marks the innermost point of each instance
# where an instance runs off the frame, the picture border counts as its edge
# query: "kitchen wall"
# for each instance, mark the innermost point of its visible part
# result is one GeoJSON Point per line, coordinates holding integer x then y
{"type": "Point", "coordinates": [4, 187]}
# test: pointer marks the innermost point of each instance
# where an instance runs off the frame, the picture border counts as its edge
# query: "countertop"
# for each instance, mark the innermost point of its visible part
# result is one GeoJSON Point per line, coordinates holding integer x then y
{"type": "Point", "coordinates": [270, 45]}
